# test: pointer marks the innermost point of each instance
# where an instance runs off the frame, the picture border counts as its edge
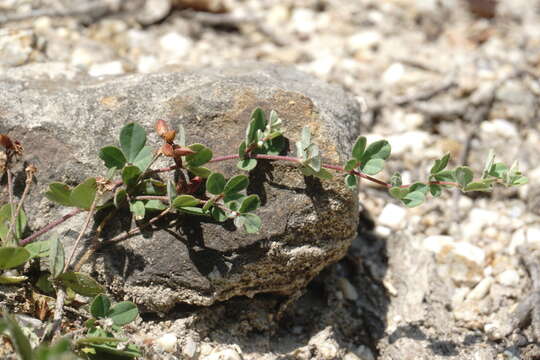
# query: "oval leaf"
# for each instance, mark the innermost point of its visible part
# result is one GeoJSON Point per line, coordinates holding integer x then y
{"type": "Point", "coordinates": [440, 164]}
{"type": "Point", "coordinates": [56, 257]}
{"type": "Point", "coordinates": [143, 158]}
{"type": "Point", "coordinates": [192, 210]}
{"type": "Point", "coordinates": [5, 219]}
{"type": "Point", "coordinates": [414, 198]}
{"type": "Point", "coordinates": [113, 157]}
{"type": "Point", "coordinates": [185, 201]}
{"type": "Point", "coordinates": [215, 184]}
{"type": "Point", "coordinates": [59, 193]}
{"type": "Point", "coordinates": [247, 164]}
{"type": "Point", "coordinates": [138, 210]}
{"type": "Point", "coordinates": [378, 150]}
{"type": "Point", "coordinates": [83, 195]}
{"type": "Point", "coordinates": [130, 175]}
{"type": "Point", "coordinates": [100, 306]}
{"type": "Point", "coordinates": [200, 171]}
{"type": "Point", "coordinates": [359, 147]}
{"type": "Point", "coordinates": [251, 223]}
{"type": "Point", "coordinates": [351, 182]}
{"type": "Point", "coordinates": [123, 313]}
{"type": "Point", "coordinates": [250, 203]}
{"type": "Point", "coordinates": [464, 175]}
{"type": "Point", "coordinates": [202, 155]}
{"type": "Point", "coordinates": [38, 249]}
{"type": "Point", "coordinates": [235, 184]}
{"type": "Point", "coordinates": [132, 140]}
{"type": "Point", "coordinates": [81, 283]}
{"type": "Point", "coordinates": [372, 166]}
{"type": "Point", "coordinates": [11, 257]}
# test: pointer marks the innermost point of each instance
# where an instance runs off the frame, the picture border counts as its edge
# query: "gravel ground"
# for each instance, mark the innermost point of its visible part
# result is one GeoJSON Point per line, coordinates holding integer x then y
{"type": "Point", "coordinates": [433, 77]}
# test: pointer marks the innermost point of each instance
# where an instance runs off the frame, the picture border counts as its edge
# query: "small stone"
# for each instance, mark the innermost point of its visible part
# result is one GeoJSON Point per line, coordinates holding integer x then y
{"type": "Point", "coordinates": [364, 353]}
{"type": "Point", "coordinates": [224, 354]}
{"type": "Point", "coordinates": [153, 11]}
{"type": "Point", "coordinates": [394, 73]}
{"type": "Point", "coordinates": [15, 47]}
{"type": "Point", "coordinates": [365, 40]}
{"type": "Point", "coordinates": [523, 236]}
{"type": "Point", "coordinates": [508, 277]}
{"type": "Point", "coordinates": [392, 216]}
{"type": "Point", "coordinates": [348, 289]}
{"type": "Point", "coordinates": [190, 348]}
{"type": "Point", "coordinates": [147, 64]}
{"type": "Point", "coordinates": [462, 261]}
{"type": "Point", "coordinates": [351, 356]}
{"type": "Point", "coordinates": [499, 128]}
{"type": "Point", "coordinates": [110, 68]}
{"type": "Point", "coordinates": [167, 342]}
{"type": "Point", "coordinates": [325, 343]}
{"type": "Point", "coordinates": [481, 289]}
{"type": "Point", "coordinates": [303, 21]}
{"type": "Point", "coordinates": [176, 44]}
{"type": "Point", "coordinates": [412, 142]}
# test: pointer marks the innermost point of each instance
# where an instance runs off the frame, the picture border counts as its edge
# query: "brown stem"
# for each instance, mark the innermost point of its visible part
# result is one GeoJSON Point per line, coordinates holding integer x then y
{"type": "Point", "coordinates": [28, 183]}
{"type": "Point", "coordinates": [138, 229]}
{"type": "Point", "coordinates": [83, 230]}
{"type": "Point", "coordinates": [47, 228]}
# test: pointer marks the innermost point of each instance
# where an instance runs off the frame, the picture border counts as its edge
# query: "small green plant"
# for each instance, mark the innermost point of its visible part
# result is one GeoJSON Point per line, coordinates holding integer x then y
{"type": "Point", "coordinates": [188, 188]}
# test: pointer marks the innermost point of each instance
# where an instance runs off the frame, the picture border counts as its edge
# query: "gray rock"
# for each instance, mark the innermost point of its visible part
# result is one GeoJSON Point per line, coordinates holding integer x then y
{"type": "Point", "coordinates": [307, 223]}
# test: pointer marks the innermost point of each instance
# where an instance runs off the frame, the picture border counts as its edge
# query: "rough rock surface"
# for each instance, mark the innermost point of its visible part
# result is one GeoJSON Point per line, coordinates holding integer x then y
{"type": "Point", "coordinates": [307, 223]}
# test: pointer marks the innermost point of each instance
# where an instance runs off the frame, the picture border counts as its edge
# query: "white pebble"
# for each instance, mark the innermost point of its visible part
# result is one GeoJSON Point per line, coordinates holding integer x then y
{"type": "Point", "coordinates": [392, 216]}
{"type": "Point", "coordinates": [499, 128]}
{"type": "Point", "coordinates": [176, 44]}
{"type": "Point", "coordinates": [190, 348]}
{"type": "Point", "coordinates": [481, 289]}
{"type": "Point", "coordinates": [224, 354]}
{"type": "Point", "coordinates": [409, 142]}
{"type": "Point", "coordinates": [347, 289]}
{"type": "Point", "coordinates": [364, 353]}
{"type": "Point", "coordinates": [393, 73]}
{"type": "Point", "coordinates": [167, 342]}
{"type": "Point", "coordinates": [508, 277]}
{"type": "Point", "coordinates": [365, 40]}
{"type": "Point", "coordinates": [110, 68]}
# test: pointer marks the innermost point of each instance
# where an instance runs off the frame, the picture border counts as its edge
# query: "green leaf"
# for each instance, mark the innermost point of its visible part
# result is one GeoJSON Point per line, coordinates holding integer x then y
{"type": "Point", "coordinates": [113, 157]}
{"type": "Point", "coordinates": [478, 186]}
{"type": "Point", "coordinates": [95, 340]}
{"type": "Point", "coordinates": [215, 183]}
{"type": "Point", "coordinates": [251, 223]}
{"type": "Point", "coordinates": [218, 214]}
{"type": "Point", "coordinates": [233, 205]}
{"type": "Point", "coordinates": [464, 175]}
{"type": "Point", "coordinates": [351, 182]}
{"type": "Point", "coordinates": [202, 155]}
{"type": "Point", "coordinates": [18, 338]}
{"type": "Point", "coordinates": [130, 175]}
{"type": "Point", "coordinates": [5, 219]}
{"type": "Point", "coordinates": [378, 150]}
{"type": "Point", "coordinates": [498, 170]}
{"type": "Point", "coordinates": [351, 165]}
{"type": "Point", "coordinates": [38, 249]}
{"type": "Point", "coordinates": [59, 193]}
{"type": "Point", "coordinates": [445, 175]}
{"type": "Point", "coordinates": [235, 184]}
{"type": "Point", "coordinates": [372, 166]}
{"type": "Point", "coordinates": [171, 192]}
{"type": "Point", "coordinates": [414, 198]}
{"type": "Point", "coordinates": [520, 180]}
{"type": "Point", "coordinates": [143, 158]}
{"type": "Point", "coordinates": [44, 284]}
{"type": "Point", "coordinates": [440, 164]}
{"type": "Point", "coordinates": [183, 201]}
{"type": "Point", "coordinates": [208, 204]}
{"type": "Point", "coordinates": [418, 186]}
{"type": "Point", "coordinates": [323, 174]}
{"type": "Point", "coordinates": [155, 205]}
{"type": "Point", "coordinates": [242, 150]}
{"type": "Point", "coordinates": [305, 139]}
{"type": "Point", "coordinates": [435, 190]}
{"type": "Point", "coordinates": [56, 257]}
{"type": "Point", "coordinates": [120, 197]}
{"type": "Point", "coordinates": [200, 171]}
{"type": "Point", "coordinates": [138, 210]}
{"type": "Point", "coordinates": [132, 140]}
{"type": "Point", "coordinates": [192, 210]}
{"type": "Point", "coordinates": [257, 122]}
{"type": "Point", "coordinates": [100, 306]}
{"type": "Point", "coordinates": [489, 163]}
{"type": "Point", "coordinates": [275, 145]}
{"type": "Point", "coordinates": [250, 203]}
{"type": "Point", "coordinates": [397, 192]}
{"type": "Point", "coordinates": [123, 313]}
{"type": "Point", "coordinates": [83, 195]}
{"type": "Point", "coordinates": [9, 280]}
{"type": "Point", "coordinates": [395, 179]}
{"type": "Point", "coordinates": [247, 164]}
{"type": "Point", "coordinates": [359, 147]}
{"type": "Point", "coordinates": [11, 257]}
{"type": "Point", "coordinates": [81, 283]}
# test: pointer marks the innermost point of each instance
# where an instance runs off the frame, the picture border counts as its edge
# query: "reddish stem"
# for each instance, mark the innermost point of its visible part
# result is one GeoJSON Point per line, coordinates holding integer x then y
{"type": "Point", "coordinates": [49, 227]}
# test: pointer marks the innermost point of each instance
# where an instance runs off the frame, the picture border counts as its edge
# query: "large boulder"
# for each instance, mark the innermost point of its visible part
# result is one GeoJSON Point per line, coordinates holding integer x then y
{"type": "Point", "coordinates": [307, 223]}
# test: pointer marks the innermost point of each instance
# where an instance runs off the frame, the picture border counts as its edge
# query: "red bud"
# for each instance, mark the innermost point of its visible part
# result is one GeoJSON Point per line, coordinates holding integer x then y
{"type": "Point", "coordinates": [169, 136]}
{"type": "Point", "coordinates": [167, 150]}
{"type": "Point", "coordinates": [182, 151]}
{"type": "Point", "coordinates": [161, 127]}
